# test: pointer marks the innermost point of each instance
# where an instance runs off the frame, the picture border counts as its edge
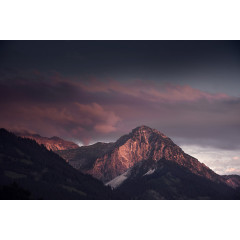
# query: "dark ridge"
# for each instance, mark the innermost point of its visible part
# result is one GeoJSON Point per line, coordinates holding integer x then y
{"type": "Point", "coordinates": [29, 170]}
{"type": "Point", "coordinates": [171, 181]}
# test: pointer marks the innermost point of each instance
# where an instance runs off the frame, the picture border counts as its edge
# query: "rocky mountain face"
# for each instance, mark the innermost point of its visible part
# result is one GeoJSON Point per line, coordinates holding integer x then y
{"type": "Point", "coordinates": [144, 143]}
{"type": "Point", "coordinates": [53, 143]}
{"type": "Point", "coordinates": [30, 171]}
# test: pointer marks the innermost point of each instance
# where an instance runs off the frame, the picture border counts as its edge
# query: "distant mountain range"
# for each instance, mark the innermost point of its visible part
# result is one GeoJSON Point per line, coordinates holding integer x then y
{"type": "Point", "coordinates": [53, 143]}
{"type": "Point", "coordinates": [144, 164]}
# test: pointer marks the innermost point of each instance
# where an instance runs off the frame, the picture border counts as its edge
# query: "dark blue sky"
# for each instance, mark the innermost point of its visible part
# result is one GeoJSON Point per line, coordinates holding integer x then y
{"type": "Point", "coordinates": [207, 65]}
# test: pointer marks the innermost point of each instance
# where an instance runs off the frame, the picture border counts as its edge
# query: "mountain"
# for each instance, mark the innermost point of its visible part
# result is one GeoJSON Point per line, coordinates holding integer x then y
{"type": "Point", "coordinates": [146, 164]}
{"type": "Point", "coordinates": [30, 171]}
{"type": "Point", "coordinates": [143, 143]}
{"type": "Point", "coordinates": [53, 143]}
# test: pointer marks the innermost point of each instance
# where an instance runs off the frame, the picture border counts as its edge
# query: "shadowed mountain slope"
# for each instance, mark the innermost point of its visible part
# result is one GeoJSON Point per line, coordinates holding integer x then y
{"type": "Point", "coordinates": [30, 171]}
{"type": "Point", "coordinates": [167, 180]}
{"type": "Point", "coordinates": [84, 158]}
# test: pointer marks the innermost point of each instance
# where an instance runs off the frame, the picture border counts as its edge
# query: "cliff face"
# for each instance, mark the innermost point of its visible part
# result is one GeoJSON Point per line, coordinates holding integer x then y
{"type": "Point", "coordinates": [144, 143]}
{"type": "Point", "coordinates": [54, 143]}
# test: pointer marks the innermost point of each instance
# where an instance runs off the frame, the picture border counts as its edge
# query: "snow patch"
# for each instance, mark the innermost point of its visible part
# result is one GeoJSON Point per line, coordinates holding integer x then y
{"type": "Point", "coordinates": [117, 181]}
{"type": "Point", "coordinates": [151, 171]}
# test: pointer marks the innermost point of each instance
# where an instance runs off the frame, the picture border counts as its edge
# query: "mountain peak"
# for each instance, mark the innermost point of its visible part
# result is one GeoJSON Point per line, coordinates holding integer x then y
{"type": "Point", "coordinates": [146, 129]}
{"type": "Point", "coordinates": [141, 128]}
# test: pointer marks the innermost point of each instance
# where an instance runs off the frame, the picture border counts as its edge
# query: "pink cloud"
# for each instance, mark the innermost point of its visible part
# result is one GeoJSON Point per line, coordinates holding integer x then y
{"type": "Point", "coordinates": [152, 91]}
{"type": "Point", "coordinates": [74, 120]}
{"type": "Point", "coordinates": [104, 128]}
{"type": "Point", "coordinates": [94, 109]}
{"type": "Point", "coordinates": [232, 171]}
{"type": "Point", "coordinates": [104, 121]}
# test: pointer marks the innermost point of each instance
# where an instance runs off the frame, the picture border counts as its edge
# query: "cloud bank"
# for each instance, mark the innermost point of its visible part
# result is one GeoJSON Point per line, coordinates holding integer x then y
{"type": "Point", "coordinates": [92, 109]}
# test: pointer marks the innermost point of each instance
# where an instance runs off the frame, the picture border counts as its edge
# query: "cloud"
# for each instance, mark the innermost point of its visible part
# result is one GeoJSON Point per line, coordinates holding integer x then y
{"type": "Point", "coordinates": [94, 109]}
{"type": "Point", "coordinates": [220, 160]}
{"type": "Point", "coordinates": [150, 91]}
{"type": "Point", "coordinates": [78, 121]}
{"type": "Point", "coordinates": [231, 170]}
{"type": "Point", "coordinates": [103, 121]}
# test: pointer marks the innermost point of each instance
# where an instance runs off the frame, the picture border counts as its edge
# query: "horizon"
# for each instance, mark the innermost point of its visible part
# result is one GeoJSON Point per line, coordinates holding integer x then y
{"type": "Point", "coordinates": [91, 91]}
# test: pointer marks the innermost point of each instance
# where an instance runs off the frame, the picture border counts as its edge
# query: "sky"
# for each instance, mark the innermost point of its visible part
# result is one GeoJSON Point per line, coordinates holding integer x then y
{"type": "Point", "coordinates": [89, 91]}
